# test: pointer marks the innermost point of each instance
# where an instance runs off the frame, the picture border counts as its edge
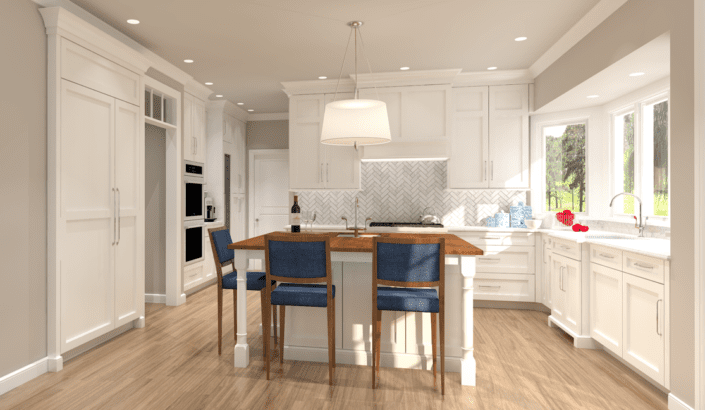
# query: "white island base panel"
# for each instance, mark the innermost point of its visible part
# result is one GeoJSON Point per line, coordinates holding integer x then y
{"type": "Point", "coordinates": [406, 336]}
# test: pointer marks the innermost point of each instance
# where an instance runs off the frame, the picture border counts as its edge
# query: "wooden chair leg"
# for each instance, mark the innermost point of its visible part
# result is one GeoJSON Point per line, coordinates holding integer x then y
{"type": "Point", "coordinates": [333, 336]}
{"type": "Point", "coordinates": [266, 304]}
{"type": "Point", "coordinates": [282, 314]}
{"type": "Point", "coordinates": [235, 313]}
{"type": "Point", "coordinates": [220, 319]}
{"type": "Point", "coordinates": [379, 339]}
{"type": "Point", "coordinates": [442, 330]}
{"type": "Point", "coordinates": [331, 347]}
{"type": "Point", "coordinates": [274, 320]}
{"type": "Point", "coordinates": [374, 345]}
{"type": "Point", "coordinates": [434, 346]}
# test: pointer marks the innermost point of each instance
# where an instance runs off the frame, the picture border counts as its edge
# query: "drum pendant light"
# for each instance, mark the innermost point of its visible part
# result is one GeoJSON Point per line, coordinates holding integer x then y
{"type": "Point", "coordinates": [355, 122]}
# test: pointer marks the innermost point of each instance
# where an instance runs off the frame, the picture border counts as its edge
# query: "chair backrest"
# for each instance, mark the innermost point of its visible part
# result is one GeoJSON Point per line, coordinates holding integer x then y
{"type": "Point", "coordinates": [409, 262]}
{"type": "Point", "coordinates": [220, 239]}
{"type": "Point", "coordinates": [299, 258]}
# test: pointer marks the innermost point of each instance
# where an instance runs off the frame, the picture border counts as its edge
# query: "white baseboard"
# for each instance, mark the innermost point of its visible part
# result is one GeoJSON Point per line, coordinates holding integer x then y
{"type": "Point", "coordinates": [363, 358]}
{"type": "Point", "coordinates": [154, 298]}
{"type": "Point", "coordinates": [674, 403]}
{"type": "Point", "coordinates": [22, 376]}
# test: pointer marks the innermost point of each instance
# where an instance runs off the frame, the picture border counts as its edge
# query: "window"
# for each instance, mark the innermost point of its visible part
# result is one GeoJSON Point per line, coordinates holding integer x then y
{"type": "Point", "coordinates": [641, 157]}
{"type": "Point", "coordinates": [565, 167]}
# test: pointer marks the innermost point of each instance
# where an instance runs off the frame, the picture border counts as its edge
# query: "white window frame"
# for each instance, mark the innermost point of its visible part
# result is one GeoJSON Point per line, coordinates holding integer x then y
{"type": "Point", "coordinates": [643, 171]}
{"type": "Point", "coordinates": [569, 121]}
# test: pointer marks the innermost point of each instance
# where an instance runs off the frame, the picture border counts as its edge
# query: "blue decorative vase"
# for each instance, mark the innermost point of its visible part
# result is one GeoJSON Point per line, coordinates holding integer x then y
{"type": "Point", "coordinates": [502, 220]}
{"type": "Point", "coordinates": [519, 214]}
{"type": "Point", "coordinates": [491, 222]}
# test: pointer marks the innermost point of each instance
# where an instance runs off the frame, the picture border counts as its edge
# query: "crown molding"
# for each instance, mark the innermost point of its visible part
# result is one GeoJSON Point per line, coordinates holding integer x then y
{"type": "Point", "coordinates": [479, 78]}
{"type": "Point", "coordinates": [318, 86]}
{"type": "Point", "coordinates": [277, 116]}
{"type": "Point", "coordinates": [59, 21]}
{"type": "Point", "coordinates": [197, 89]}
{"type": "Point", "coordinates": [406, 78]}
{"type": "Point", "coordinates": [229, 108]}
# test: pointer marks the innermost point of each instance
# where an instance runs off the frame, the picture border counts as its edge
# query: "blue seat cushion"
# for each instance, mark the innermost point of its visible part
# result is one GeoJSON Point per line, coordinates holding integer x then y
{"type": "Point", "coordinates": [407, 299]}
{"type": "Point", "coordinates": [255, 280]}
{"type": "Point", "coordinates": [300, 294]}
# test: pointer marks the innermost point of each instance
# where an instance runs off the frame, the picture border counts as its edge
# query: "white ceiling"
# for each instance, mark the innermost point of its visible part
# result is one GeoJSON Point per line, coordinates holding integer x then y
{"type": "Point", "coordinates": [653, 59]}
{"type": "Point", "coordinates": [247, 48]}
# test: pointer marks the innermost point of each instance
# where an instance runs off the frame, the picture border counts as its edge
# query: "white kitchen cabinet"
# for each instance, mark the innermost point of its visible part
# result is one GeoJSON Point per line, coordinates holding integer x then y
{"type": "Point", "coordinates": [504, 287]}
{"type": "Point", "coordinates": [194, 132]}
{"type": "Point", "coordinates": [644, 326]}
{"type": "Point", "coordinates": [546, 273]}
{"type": "Point", "coordinates": [606, 306]}
{"type": "Point", "coordinates": [566, 292]}
{"type": "Point", "coordinates": [503, 259]}
{"type": "Point", "coordinates": [490, 138]}
{"type": "Point", "coordinates": [469, 142]}
{"type": "Point", "coordinates": [101, 225]}
{"type": "Point", "coordinates": [509, 136]}
{"type": "Point", "coordinates": [313, 165]}
{"type": "Point", "coordinates": [193, 276]}
{"type": "Point", "coordinates": [238, 231]}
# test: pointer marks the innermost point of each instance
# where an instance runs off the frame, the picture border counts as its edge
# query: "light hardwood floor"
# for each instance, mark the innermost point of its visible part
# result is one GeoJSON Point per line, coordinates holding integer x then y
{"type": "Point", "coordinates": [173, 363]}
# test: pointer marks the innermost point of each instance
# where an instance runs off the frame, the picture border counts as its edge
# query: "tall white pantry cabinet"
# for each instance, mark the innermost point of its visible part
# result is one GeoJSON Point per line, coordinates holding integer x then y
{"type": "Point", "coordinates": [95, 185]}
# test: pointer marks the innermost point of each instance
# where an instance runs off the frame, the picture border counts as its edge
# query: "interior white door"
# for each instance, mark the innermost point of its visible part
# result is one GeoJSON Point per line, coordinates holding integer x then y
{"type": "Point", "coordinates": [509, 136]}
{"type": "Point", "coordinates": [643, 326]}
{"type": "Point", "coordinates": [470, 136]}
{"type": "Point", "coordinates": [129, 246]}
{"type": "Point", "coordinates": [606, 307]}
{"type": "Point", "coordinates": [271, 193]}
{"type": "Point", "coordinates": [86, 216]}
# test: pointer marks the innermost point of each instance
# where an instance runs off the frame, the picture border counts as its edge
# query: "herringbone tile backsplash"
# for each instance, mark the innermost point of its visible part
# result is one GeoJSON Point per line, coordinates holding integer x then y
{"type": "Point", "coordinates": [399, 191]}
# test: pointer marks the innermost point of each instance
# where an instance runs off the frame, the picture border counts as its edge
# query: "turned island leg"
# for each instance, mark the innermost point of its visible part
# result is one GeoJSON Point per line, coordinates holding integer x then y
{"type": "Point", "coordinates": [468, 368]}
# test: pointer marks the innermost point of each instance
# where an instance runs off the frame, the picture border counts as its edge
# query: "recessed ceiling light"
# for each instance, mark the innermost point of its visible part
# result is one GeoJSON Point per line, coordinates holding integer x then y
{"type": "Point", "coordinates": [323, 77]}
{"type": "Point", "coordinates": [520, 39]}
{"type": "Point", "coordinates": [250, 110]}
{"type": "Point", "coordinates": [491, 68]}
{"type": "Point", "coordinates": [240, 103]}
{"type": "Point", "coordinates": [593, 96]}
{"type": "Point", "coordinates": [404, 68]}
{"type": "Point", "coordinates": [188, 61]}
{"type": "Point", "coordinates": [636, 74]}
{"type": "Point", "coordinates": [133, 21]}
{"type": "Point", "coordinates": [219, 95]}
{"type": "Point", "coordinates": [209, 83]}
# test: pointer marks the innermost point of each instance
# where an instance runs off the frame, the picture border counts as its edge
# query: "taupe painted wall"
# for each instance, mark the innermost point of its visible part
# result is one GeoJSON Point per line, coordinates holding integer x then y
{"type": "Point", "coordinates": [268, 134]}
{"type": "Point", "coordinates": [23, 247]}
{"type": "Point", "coordinates": [630, 27]}
{"type": "Point", "coordinates": [155, 210]}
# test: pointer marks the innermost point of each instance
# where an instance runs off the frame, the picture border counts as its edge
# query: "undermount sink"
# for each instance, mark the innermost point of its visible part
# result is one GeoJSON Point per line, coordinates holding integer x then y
{"type": "Point", "coordinates": [362, 235]}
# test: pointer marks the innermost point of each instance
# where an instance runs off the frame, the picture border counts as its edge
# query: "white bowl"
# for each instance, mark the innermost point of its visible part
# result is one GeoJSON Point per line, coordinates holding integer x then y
{"type": "Point", "coordinates": [533, 223]}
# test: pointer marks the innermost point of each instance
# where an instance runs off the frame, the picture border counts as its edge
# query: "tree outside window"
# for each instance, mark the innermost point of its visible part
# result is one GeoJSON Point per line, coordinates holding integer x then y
{"type": "Point", "coordinates": [565, 167]}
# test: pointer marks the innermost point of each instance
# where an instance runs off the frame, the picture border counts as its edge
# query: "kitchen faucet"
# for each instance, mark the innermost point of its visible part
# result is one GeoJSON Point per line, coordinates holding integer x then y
{"type": "Point", "coordinates": [640, 225]}
{"type": "Point", "coordinates": [355, 228]}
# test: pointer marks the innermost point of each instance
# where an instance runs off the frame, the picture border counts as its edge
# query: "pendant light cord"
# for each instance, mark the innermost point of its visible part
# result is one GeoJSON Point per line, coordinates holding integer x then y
{"type": "Point", "coordinates": [343, 65]}
{"type": "Point", "coordinates": [369, 66]}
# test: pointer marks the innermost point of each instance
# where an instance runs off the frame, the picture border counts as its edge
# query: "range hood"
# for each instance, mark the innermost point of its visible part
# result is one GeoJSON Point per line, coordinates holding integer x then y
{"type": "Point", "coordinates": [406, 151]}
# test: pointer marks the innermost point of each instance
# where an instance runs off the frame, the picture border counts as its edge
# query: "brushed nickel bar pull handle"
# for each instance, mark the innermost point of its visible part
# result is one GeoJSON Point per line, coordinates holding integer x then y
{"type": "Point", "coordinates": [114, 216]}
{"type": "Point", "coordinates": [327, 171]}
{"type": "Point", "coordinates": [492, 170]}
{"type": "Point", "coordinates": [643, 266]}
{"type": "Point", "coordinates": [488, 286]}
{"type": "Point", "coordinates": [484, 174]}
{"type": "Point", "coordinates": [607, 256]}
{"type": "Point", "coordinates": [489, 259]}
{"type": "Point", "coordinates": [657, 322]}
{"type": "Point", "coordinates": [119, 218]}
{"type": "Point", "coordinates": [491, 237]}
{"type": "Point", "coordinates": [321, 168]}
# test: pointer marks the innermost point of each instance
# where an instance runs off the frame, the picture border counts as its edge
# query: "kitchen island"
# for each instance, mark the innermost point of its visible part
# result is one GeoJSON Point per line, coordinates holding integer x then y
{"type": "Point", "coordinates": [406, 336]}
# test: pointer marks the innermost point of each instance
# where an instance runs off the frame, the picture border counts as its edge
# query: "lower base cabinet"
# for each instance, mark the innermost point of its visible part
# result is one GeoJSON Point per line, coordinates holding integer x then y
{"type": "Point", "coordinates": [504, 287]}
{"type": "Point", "coordinates": [605, 307]}
{"type": "Point", "coordinates": [566, 292]}
{"type": "Point", "coordinates": [644, 327]}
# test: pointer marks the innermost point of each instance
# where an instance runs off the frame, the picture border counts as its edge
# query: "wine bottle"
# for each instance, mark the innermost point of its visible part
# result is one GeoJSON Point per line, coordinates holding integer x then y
{"type": "Point", "coordinates": [295, 218]}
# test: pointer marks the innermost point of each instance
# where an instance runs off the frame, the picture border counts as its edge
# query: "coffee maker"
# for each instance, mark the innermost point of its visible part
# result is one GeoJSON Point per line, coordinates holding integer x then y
{"type": "Point", "coordinates": [210, 210]}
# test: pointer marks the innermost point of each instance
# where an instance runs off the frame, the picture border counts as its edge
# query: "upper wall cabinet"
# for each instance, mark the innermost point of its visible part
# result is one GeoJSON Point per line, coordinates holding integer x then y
{"type": "Point", "coordinates": [313, 165]}
{"type": "Point", "coordinates": [194, 129]}
{"type": "Point", "coordinates": [490, 138]}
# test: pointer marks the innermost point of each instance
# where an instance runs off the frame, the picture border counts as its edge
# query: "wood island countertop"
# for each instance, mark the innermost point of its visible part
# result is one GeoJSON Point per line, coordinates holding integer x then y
{"type": "Point", "coordinates": [454, 245]}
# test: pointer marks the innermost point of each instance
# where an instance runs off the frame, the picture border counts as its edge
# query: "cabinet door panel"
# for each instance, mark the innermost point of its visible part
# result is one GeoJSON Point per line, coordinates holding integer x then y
{"type": "Point", "coordinates": [558, 298]}
{"type": "Point", "coordinates": [509, 136]}
{"type": "Point", "coordinates": [129, 257]}
{"type": "Point", "coordinates": [392, 97]}
{"type": "Point", "coordinates": [572, 289]}
{"type": "Point", "coordinates": [606, 307]}
{"type": "Point", "coordinates": [425, 113]}
{"type": "Point", "coordinates": [188, 137]}
{"type": "Point", "coordinates": [86, 203]}
{"type": "Point", "coordinates": [342, 164]}
{"type": "Point", "coordinates": [467, 167]}
{"type": "Point", "coordinates": [305, 153]}
{"type": "Point", "coordinates": [199, 130]}
{"type": "Point", "coordinates": [643, 326]}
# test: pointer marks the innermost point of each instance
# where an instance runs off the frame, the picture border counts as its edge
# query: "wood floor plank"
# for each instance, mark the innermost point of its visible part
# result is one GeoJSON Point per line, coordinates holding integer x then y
{"type": "Point", "coordinates": [173, 363]}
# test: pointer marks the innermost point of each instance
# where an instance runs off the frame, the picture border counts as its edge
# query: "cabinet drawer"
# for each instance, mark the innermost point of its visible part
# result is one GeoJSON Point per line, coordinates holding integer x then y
{"type": "Point", "coordinates": [644, 266]}
{"type": "Point", "coordinates": [513, 259]}
{"type": "Point", "coordinates": [498, 239]}
{"type": "Point", "coordinates": [602, 255]}
{"type": "Point", "coordinates": [192, 275]}
{"type": "Point", "coordinates": [504, 287]}
{"type": "Point", "coordinates": [84, 67]}
{"type": "Point", "coordinates": [566, 248]}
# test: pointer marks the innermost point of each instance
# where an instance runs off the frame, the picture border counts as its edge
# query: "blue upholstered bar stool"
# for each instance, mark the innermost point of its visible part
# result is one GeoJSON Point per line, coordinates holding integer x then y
{"type": "Point", "coordinates": [220, 239]}
{"type": "Point", "coordinates": [299, 263]}
{"type": "Point", "coordinates": [408, 264]}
